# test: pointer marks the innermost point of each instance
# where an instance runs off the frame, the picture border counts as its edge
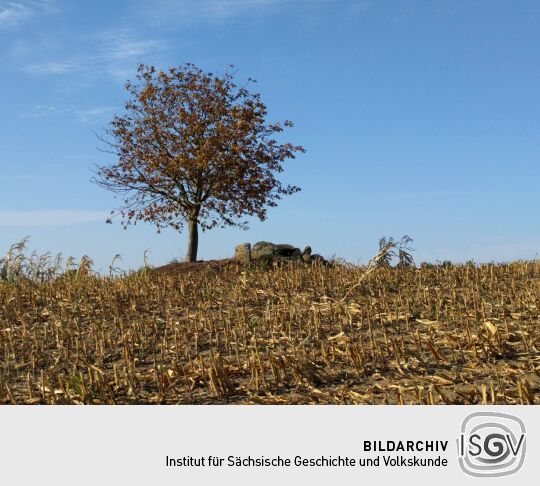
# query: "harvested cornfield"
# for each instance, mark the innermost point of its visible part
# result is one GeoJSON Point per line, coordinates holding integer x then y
{"type": "Point", "coordinates": [440, 334]}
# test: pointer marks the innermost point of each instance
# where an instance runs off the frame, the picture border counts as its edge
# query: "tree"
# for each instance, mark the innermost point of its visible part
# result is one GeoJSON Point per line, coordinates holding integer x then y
{"type": "Point", "coordinates": [194, 149]}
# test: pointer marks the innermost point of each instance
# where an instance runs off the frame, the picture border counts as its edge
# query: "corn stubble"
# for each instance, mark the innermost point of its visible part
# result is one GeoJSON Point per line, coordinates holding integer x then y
{"type": "Point", "coordinates": [453, 334]}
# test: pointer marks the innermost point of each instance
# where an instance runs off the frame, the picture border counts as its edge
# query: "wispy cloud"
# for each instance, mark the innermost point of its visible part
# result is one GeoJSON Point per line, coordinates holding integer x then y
{"type": "Point", "coordinates": [43, 111]}
{"type": "Point", "coordinates": [359, 7]}
{"type": "Point", "coordinates": [92, 115]}
{"type": "Point", "coordinates": [14, 13]}
{"type": "Point", "coordinates": [114, 52]}
{"type": "Point", "coordinates": [19, 177]}
{"type": "Point", "coordinates": [85, 116]}
{"type": "Point", "coordinates": [50, 218]}
{"type": "Point", "coordinates": [53, 67]}
{"type": "Point", "coordinates": [121, 50]}
{"type": "Point", "coordinates": [161, 12]}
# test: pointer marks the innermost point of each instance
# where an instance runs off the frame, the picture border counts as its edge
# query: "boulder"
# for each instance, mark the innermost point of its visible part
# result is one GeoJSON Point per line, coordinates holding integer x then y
{"type": "Point", "coordinates": [242, 253]}
{"type": "Point", "coordinates": [296, 254]}
{"type": "Point", "coordinates": [289, 251]}
{"type": "Point", "coordinates": [319, 259]}
{"type": "Point", "coordinates": [262, 250]}
{"type": "Point", "coordinates": [306, 254]}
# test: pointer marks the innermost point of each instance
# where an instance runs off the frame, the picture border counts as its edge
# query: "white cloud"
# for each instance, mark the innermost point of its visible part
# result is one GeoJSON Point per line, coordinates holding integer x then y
{"type": "Point", "coordinates": [13, 13]}
{"type": "Point", "coordinates": [84, 116]}
{"type": "Point", "coordinates": [43, 111]}
{"type": "Point", "coordinates": [53, 68]}
{"type": "Point", "coordinates": [229, 8]}
{"type": "Point", "coordinates": [359, 7]}
{"type": "Point", "coordinates": [161, 12]}
{"type": "Point", "coordinates": [50, 218]}
{"type": "Point", "coordinates": [19, 177]}
{"type": "Point", "coordinates": [121, 50]}
{"type": "Point", "coordinates": [114, 52]}
{"type": "Point", "coordinates": [91, 115]}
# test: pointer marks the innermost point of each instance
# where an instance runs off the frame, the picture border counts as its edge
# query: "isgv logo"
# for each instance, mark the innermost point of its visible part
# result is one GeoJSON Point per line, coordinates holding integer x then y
{"type": "Point", "coordinates": [491, 444]}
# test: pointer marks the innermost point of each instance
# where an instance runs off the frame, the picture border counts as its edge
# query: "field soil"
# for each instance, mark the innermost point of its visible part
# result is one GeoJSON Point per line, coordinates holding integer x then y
{"type": "Point", "coordinates": [217, 332]}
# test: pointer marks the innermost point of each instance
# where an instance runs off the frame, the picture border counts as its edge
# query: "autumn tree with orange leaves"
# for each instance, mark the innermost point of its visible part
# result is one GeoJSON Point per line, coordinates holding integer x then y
{"type": "Point", "coordinates": [193, 149]}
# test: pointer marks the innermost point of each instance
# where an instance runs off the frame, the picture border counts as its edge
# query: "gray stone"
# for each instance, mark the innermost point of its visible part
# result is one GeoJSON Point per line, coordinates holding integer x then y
{"type": "Point", "coordinates": [296, 254]}
{"type": "Point", "coordinates": [318, 259]}
{"type": "Point", "coordinates": [306, 254]}
{"type": "Point", "coordinates": [262, 250]}
{"type": "Point", "coordinates": [287, 251]}
{"type": "Point", "coordinates": [242, 253]}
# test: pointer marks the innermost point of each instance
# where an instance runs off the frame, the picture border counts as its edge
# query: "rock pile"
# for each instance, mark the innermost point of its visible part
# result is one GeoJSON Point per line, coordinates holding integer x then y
{"type": "Point", "coordinates": [263, 251]}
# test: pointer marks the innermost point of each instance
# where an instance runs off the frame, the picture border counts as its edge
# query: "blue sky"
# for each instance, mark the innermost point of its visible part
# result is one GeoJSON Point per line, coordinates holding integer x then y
{"type": "Point", "coordinates": [419, 118]}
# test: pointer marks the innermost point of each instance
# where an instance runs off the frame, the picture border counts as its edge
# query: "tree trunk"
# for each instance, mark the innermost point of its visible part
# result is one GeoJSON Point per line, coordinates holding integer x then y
{"type": "Point", "coordinates": [193, 241]}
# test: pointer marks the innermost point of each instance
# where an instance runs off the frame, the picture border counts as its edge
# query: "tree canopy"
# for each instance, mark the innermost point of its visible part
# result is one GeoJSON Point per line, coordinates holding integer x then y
{"type": "Point", "coordinates": [194, 148]}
